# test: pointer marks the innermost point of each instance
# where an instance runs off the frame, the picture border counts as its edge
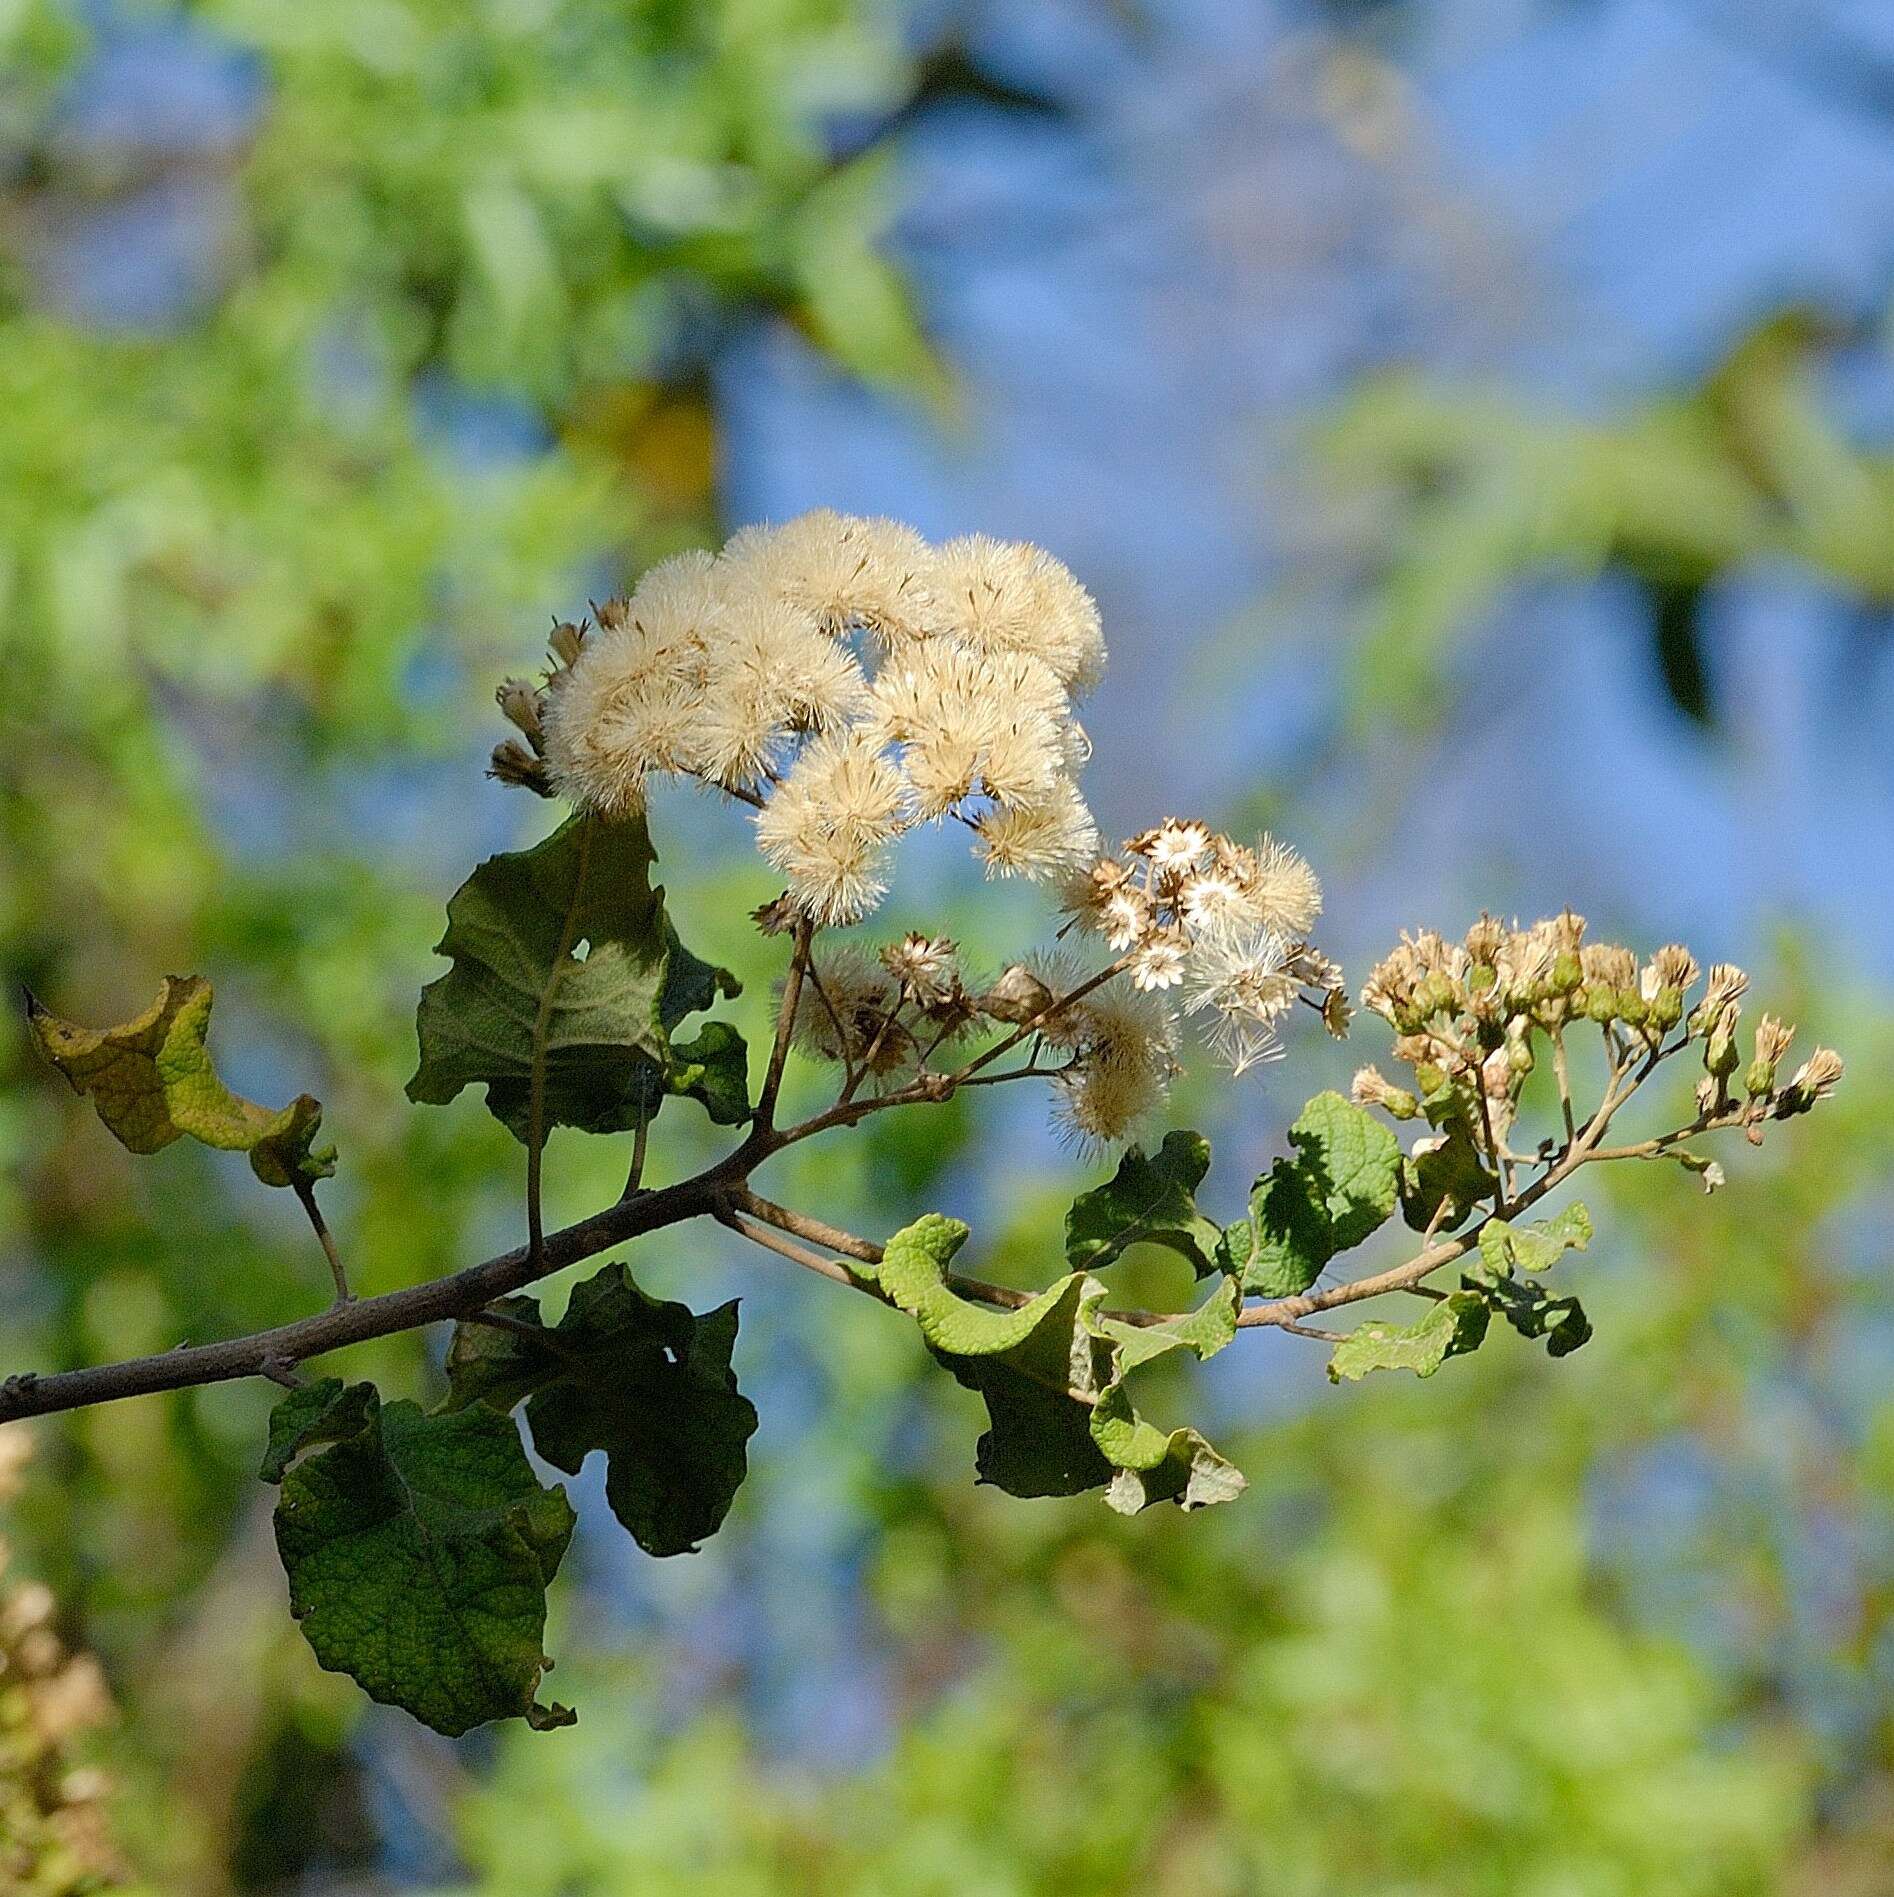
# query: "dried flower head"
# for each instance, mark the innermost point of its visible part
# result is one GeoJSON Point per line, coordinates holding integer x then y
{"type": "Point", "coordinates": [849, 574]}
{"type": "Point", "coordinates": [1007, 596]}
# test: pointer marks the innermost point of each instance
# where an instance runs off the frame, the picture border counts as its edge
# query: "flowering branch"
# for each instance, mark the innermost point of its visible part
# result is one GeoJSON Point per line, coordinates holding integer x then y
{"type": "Point", "coordinates": [846, 683]}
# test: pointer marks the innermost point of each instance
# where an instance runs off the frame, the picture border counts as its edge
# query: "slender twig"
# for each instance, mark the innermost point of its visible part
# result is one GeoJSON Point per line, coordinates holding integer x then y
{"type": "Point", "coordinates": [640, 1140]}
{"type": "Point", "coordinates": [542, 1024]}
{"type": "Point", "coordinates": [1503, 1192]}
{"type": "Point", "coordinates": [306, 1192]}
{"type": "Point", "coordinates": [796, 1254]}
{"type": "Point", "coordinates": [802, 1225]}
{"type": "Point", "coordinates": [357, 1322]}
{"type": "Point", "coordinates": [785, 1026]}
{"type": "Point", "coordinates": [1561, 1068]}
{"type": "Point", "coordinates": [851, 1085]}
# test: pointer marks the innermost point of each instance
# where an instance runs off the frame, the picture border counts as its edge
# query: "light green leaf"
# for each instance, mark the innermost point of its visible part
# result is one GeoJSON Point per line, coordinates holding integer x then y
{"type": "Point", "coordinates": [565, 949]}
{"type": "Point", "coordinates": [1149, 1200]}
{"type": "Point", "coordinates": [1204, 1331]}
{"type": "Point", "coordinates": [1152, 1466]}
{"type": "Point", "coordinates": [418, 1550]}
{"type": "Point", "coordinates": [1506, 1248]}
{"type": "Point", "coordinates": [1337, 1190]}
{"type": "Point", "coordinates": [1451, 1328]}
{"type": "Point", "coordinates": [152, 1082]}
{"type": "Point", "coordinates": [1052, 1373]}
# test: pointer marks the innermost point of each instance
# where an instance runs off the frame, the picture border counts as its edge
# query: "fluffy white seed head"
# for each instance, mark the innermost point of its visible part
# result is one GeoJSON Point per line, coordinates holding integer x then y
{"type": "Point", "coordinates": [829, 823]}
{"type": "Point", "coordinates": [1041, 840]}
{"type": "Point", "coordinates": [848, 573]}
{"type": "Point", "coordinates": [1008, 596]}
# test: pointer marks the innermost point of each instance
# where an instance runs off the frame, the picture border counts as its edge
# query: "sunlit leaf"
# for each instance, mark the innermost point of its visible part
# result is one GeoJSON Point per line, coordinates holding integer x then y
{"type": "Point", "coordinates": [1451, 1328]}
{"type": "Point", "coordinates": [152, 1081]}
{"type": "Point", "coordinates": [1337, 1190]}
{"type": "Point", "coordinates": [1052, 1373]}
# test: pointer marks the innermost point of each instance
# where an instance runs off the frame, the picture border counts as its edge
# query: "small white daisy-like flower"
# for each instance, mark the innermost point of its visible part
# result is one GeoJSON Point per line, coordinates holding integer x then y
{"type": "Point", "coordinates": [1240, 978]}
{"type": "Point", "coordinates": [1211, 899]}
{"type": "Point", "coordinates": [1127, 917]}
{"type": "Point", "coordinates": [1161, 960]}
{"type": "Point", "coordinates": [1178, 847]}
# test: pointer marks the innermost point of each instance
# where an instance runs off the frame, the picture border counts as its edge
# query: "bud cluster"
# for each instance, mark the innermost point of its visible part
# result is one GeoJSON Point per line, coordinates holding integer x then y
{"type": "Point", "coordinates": [526, 706]}
{"type": "Point", "coordinates": [1467, 1013]}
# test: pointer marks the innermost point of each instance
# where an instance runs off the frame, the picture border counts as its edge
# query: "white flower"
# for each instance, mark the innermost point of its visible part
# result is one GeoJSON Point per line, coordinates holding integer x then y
{"type": "Point", "coordinates": [1239, 977]}
{"type": "Point", "coordinates": [1160, 962]}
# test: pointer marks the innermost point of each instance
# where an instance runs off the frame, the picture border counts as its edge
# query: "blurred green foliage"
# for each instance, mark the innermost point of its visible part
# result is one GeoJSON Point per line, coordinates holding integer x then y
{"type": "Point", "coordinates": [253, 589]}
{"type": "Point", "coordinates": [1453, 496]}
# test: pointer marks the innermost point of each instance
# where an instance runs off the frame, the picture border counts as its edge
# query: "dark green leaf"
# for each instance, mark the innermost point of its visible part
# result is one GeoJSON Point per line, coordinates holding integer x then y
{"type": "Point", "coordinates": [1450, 1170]}
{"type": "Point", "coordinates": [498, 1364]}
{"type": "Point", "coordinates": [564, 946]}
{"type": "Point", "coordinates": [418, 1550]}
{"type": "Point", "coordinates": [1337, 1190]}
{"type": "Point", "coordinates": [1149, 1200]}
{"type": "Point", "coordinates": [646, 1382]}
{"type": "Point", "coordinates": [1533, 1312]}
{"type": "Point", "coordinates": [715, 1070]}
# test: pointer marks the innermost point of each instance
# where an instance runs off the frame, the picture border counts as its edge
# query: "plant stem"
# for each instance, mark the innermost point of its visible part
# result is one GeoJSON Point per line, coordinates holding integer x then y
{"type": "Point", "coordinates": [306, 1192]}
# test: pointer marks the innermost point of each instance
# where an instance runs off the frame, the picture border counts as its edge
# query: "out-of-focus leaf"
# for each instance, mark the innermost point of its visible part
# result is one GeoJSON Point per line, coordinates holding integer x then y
{"type": "Point", "coordinates": [152, 1081]}
{"type": "Point", "coordinates": [418, 1549]}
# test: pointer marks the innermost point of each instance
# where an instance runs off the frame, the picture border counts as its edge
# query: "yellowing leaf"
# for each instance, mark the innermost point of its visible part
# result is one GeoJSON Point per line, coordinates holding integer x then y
{"type": "Point", "coordinates": [153, 1082]}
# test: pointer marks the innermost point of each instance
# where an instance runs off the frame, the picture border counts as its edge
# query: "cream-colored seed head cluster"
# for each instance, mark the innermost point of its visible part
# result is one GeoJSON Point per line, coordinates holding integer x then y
{"type": "Point", "coordinates": [1222, 923]}
{"type": "Point", "coordinates": [53, 1831]}
{"type": "Point", "coordinates": [853, 681]}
